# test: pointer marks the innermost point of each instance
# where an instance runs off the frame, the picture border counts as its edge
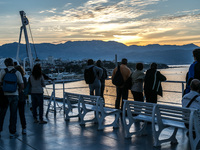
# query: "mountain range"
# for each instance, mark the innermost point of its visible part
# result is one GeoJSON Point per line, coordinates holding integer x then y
{"type": "Point", "coordinates": [79, 50]}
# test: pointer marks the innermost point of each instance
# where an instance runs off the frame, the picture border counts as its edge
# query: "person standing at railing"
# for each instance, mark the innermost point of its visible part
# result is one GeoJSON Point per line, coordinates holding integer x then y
{"type": "Point", "coordinates": [152, 84]}
{"type": "Point", "coordinates": [37, 84]}
{"type": "Point", "coordinates": [92, 76]}
{"type": "Point", "coordinates": [194, 70]}
{"type": "Point", "coordinates": [103, 77]}
{"type": "Point", "coordinates": [122, 91]}
{"type": "Point", "coordinates": [137, 83]}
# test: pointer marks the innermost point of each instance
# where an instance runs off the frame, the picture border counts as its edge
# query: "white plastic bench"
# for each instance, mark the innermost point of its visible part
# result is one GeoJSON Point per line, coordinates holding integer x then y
{"type": "Point", "coordinates": [96, 104]}
{"type": "Point", "coordinates": [161, 116]}
{"type": "Point", "coordinates": [70, 102]}
{"type": "Point", "coordinates": [89, 103]}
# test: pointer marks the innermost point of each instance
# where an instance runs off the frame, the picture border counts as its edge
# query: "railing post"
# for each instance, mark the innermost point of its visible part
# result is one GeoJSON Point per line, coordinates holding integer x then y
{"type": "Point", "coordinates": [54, 98]}
{"type": "Point", "coordinates": [63, 89]}
{"type": "Point", "coordinates": [64, 96]}
{"type": "Point", "coordinates": [182, 88]}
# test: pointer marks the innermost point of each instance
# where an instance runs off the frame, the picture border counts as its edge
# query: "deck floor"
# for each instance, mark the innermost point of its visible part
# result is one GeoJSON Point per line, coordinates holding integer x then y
{"type": "Point", "coordinates": [58, 134]}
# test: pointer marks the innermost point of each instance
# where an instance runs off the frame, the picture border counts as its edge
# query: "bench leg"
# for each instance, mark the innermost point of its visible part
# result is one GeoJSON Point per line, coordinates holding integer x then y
{"type": "Point", "coordinates": [101, 117]}
{"type": "Point", "coordinates": [127, 126]}
{"type": "Point", "coordinates": [82, 115]}
{"type": "Point", "coordinates": [115, 123]}
{"type": "Point", "coordinates": [194, 140]}
{"type": "Point", "coordinates": [157, 133]}
{"type": "Point", "coordinates": [173, 137]}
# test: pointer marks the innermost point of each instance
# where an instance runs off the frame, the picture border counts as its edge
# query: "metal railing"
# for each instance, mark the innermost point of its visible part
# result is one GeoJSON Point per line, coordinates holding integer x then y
{"type": "Point", "coordinates": [55, 99]}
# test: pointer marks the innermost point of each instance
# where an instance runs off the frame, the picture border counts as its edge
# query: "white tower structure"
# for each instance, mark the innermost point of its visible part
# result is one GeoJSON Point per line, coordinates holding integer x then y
{"type": "Point", "coordinates": [25, 22]}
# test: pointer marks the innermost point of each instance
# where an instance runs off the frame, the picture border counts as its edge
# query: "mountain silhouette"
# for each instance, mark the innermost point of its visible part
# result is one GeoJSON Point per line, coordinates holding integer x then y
{"type": "Point", "coordinates": [79, 50]}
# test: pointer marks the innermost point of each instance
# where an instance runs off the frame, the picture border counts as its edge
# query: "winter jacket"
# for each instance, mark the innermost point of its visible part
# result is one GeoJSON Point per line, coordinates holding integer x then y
{"type": "Point", "coordinates": [152, 81]}
{"type": "Point", "coordinates": [137, 80]}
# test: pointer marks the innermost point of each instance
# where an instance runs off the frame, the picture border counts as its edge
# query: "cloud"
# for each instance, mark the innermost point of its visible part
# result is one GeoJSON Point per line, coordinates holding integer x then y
{"type": "Point", "coordinates": [68, 4]}
{"type": "Point", "coordinates": [53, 10]}
{"type": "Point", "coordinates": [123, 20]}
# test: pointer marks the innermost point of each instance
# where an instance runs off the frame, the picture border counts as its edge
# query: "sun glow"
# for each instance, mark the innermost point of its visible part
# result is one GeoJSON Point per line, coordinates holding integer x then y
{"type": "Point", "coordinates": [126, 39]}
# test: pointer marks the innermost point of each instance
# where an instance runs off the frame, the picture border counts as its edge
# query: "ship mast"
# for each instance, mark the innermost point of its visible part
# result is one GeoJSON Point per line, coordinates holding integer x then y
{"type": "Point", "coordinates": [25, 22]}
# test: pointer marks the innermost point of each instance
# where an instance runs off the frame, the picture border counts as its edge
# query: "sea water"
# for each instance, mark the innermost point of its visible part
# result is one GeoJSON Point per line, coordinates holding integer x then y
{"type": "Point", "coordinates": [172, 92]}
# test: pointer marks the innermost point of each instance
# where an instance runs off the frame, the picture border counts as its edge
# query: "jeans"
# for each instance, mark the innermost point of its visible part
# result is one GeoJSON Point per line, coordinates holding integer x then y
{"type": "Point", "coordinates": [37, 100]}
{"type": "Point", "coordinates": [121, 92]}
{"type": "Point", "coordinates": [12, 103]}
{"type": "Point", "coordinates": [96, 88]}
{"type": "Point", "coordinates": [21, 107]}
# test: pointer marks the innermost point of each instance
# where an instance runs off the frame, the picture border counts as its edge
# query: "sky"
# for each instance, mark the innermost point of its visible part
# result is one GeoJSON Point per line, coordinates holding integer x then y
{"type": "Point", "coordinates": [132, 22]}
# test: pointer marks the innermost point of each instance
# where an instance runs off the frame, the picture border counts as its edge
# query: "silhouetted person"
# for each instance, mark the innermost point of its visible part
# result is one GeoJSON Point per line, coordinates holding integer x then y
{"type": "Point", "coordinates": [22, 100]}
{"type": "Point", "coordinates": [152, 84]}
{"type": "Point", "coordinates": [122, 91]}
{"type": "Point", "coordinates": [93, 73]}
{"type": "Point", "coordinates": [137, 83]}
{"type": "Point", "coordinates": [194, 70]}
{"type": "Point", "coordinates": [37, 84]}
{"type": "Point", "coordinates": [103, 77]}
{"type": "Point", "coordinates": [12, 97]}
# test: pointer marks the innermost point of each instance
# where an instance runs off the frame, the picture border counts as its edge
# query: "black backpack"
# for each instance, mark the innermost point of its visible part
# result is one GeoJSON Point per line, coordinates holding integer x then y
{"type": "Point", "coordinates": [89, 75]}
{"type": "Point", "coordinates": [118, 78]}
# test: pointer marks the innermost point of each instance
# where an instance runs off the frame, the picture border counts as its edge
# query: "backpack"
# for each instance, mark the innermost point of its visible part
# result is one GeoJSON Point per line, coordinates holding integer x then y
{"type": "Point", "coordinates": [89, 75]}
{"type": "Point", "coordinates": [10, 81]}
{"type": "Point", "coordinates": [118, 78]}
{"type": "Point", "coordinates": [128, 83]}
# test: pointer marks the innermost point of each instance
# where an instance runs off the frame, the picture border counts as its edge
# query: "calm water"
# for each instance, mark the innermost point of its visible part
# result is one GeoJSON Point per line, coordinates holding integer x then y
{"type": "Point", "coordinates": [172, 91]}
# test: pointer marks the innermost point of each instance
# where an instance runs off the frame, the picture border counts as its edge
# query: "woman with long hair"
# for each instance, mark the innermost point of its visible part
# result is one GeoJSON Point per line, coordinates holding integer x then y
{"type": "Point", "coordinates": [37, 84]}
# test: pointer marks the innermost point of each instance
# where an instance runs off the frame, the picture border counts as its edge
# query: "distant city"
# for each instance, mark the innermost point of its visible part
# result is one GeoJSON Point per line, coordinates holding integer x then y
{"type": "Point", "coordinates": [51, 65]}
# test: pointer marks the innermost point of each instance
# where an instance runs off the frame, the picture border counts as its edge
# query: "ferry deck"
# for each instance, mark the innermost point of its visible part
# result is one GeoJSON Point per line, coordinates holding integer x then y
{"type": "Point", "coordinates": [59, 134]}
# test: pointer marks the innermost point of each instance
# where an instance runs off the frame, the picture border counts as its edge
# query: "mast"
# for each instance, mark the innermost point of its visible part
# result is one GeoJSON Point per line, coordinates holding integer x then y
{"type": "Point", "coordinates": [25, 22]}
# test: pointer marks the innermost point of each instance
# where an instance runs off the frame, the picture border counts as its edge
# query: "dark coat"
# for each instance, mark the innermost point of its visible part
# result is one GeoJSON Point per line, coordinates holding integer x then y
{"type": "Point", "coordinates": [152, 81]}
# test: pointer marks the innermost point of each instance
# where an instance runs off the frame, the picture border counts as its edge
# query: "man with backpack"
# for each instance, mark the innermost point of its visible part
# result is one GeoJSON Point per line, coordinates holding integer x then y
{"type": "Point", "coordinates": [92, 76]}
{"type": "Point", "coordinates": [119, 77]}
{"type": "Point", "coordinates": [11, 81]}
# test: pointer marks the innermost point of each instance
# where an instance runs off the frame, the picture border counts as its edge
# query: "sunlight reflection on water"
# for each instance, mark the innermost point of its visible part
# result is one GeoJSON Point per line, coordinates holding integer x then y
{"type": "Point", "coordinates": [172, 91]}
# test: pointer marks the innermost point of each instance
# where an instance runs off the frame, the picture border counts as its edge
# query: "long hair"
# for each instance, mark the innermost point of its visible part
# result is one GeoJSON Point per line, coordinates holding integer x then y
{"type": "Point", "coordinates": [20, 69]}
{"type": "Point", "coordinates": [37, 71]}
